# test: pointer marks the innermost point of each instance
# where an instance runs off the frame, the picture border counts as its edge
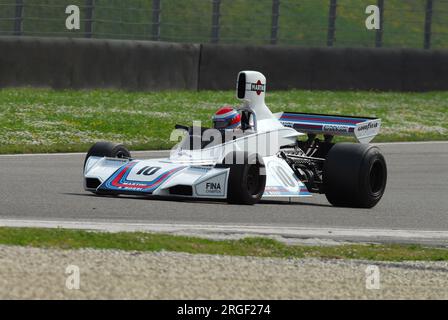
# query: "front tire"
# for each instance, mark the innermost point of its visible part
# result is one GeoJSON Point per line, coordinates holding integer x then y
{"type": "Point", "coordinates": [107, 149]}
{"type": "Point", "coordinates": [354, 175]}
{"type": "Point", "coordinates": [247, 178]}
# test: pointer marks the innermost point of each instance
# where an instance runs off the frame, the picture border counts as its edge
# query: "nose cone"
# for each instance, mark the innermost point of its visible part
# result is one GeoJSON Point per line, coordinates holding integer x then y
{"type": "Point", "coordinates": [251, 87]}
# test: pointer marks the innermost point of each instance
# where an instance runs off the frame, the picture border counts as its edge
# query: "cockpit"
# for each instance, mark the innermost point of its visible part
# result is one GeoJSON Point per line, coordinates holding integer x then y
{"type": "Point", "coordinates": [198, 138]}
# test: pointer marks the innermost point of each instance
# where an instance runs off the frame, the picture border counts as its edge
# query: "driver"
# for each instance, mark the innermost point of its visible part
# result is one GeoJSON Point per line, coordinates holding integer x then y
{"type": "Point", "coordinates": [226, 118]}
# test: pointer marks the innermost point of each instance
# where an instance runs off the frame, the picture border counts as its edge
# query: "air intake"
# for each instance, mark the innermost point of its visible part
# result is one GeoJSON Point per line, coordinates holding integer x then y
{"type": "Point", "coordinates": [181, 190]}
{"type": "Point", "coordinates": [92, 183]}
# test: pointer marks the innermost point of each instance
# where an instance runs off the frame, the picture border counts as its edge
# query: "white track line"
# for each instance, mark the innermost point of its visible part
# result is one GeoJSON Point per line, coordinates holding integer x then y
{"type": "Point", "coordinates": [367, 235]}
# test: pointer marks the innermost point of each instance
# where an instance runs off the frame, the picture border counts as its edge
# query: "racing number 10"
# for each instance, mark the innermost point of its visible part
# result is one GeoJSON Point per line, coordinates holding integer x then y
{"type": "Point", "coordinates": [147, 171]}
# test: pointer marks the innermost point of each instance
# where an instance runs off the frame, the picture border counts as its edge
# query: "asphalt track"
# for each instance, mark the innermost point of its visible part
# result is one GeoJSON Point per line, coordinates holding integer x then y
{"type": "Point", "coordinates": [49, 188]}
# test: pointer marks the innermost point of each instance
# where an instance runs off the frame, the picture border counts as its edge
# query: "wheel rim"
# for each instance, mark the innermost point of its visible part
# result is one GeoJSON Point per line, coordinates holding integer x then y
{"type": "Point", "coordinates": [376, 177]}
{"type": "Point", "coordinates": [121, 154]}
{"type": "Point", "coordinates": [253, 180]}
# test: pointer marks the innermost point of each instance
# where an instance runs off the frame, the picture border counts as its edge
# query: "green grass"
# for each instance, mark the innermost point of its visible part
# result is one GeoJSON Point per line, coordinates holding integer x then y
{"type": "Point", "coordinates": [301, 22]}
{"type": "Point", "coordinates": [258, 247]}
{"type": "Point", "coordinates": [44, 120]}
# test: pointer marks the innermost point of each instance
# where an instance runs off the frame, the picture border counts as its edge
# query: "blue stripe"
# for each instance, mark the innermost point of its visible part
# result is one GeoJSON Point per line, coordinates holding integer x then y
{"type": "Point", "coordinates": [233, 125]}
{"type": "Point", "coordinates": [225, 118]}
{"type": "Point", "coordinates": [124, 180]}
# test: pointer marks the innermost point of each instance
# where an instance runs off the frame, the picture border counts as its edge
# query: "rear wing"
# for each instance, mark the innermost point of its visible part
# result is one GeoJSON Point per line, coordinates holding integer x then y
{"type": "Point", "coordinates": [364, 129]}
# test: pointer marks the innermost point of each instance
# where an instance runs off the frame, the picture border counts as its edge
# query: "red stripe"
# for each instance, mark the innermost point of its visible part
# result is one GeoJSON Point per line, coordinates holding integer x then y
{"type": "Point", "coordinates": [116, 182]}
{"type": "Point", "coordinates": [224, 110]}
{"type": "Point", "coordinates": [235, 119]}
{"type": "Point", "coordinates": [120, 175]}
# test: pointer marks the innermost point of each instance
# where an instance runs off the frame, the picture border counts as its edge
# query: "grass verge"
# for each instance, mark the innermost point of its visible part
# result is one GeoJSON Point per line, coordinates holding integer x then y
{"type": "Point", "coordinates": [259, 247]}
{"type": "Point", "coordinates": [44, 120]}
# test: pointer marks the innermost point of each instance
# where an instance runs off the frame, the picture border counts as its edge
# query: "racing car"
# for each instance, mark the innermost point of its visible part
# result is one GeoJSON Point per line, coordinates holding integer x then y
{"type": "Point", "coordinates": [286, 154]}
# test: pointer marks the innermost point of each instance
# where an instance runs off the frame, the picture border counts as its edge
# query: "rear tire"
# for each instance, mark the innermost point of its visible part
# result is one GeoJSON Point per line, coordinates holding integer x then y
{"type": "Point", "coordinates": [354, 175]}
{"type": "Point", "coordinates": [107, 149]}
{"type": "Point", "coordinates": [246, 180]}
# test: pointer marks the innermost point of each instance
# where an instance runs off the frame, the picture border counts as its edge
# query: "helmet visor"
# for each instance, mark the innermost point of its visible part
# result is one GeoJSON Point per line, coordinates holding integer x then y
{"type": "Point", "coordinates": [221, 123]}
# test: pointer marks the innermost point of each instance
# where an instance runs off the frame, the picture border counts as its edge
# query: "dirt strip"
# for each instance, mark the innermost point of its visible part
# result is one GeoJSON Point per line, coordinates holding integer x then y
{"type": "Point", "coordinates": [30, 273]}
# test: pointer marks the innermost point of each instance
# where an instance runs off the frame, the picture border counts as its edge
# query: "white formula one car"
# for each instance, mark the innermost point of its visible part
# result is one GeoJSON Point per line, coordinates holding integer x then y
{"type": "Point", "coordinates": [263, 159]}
